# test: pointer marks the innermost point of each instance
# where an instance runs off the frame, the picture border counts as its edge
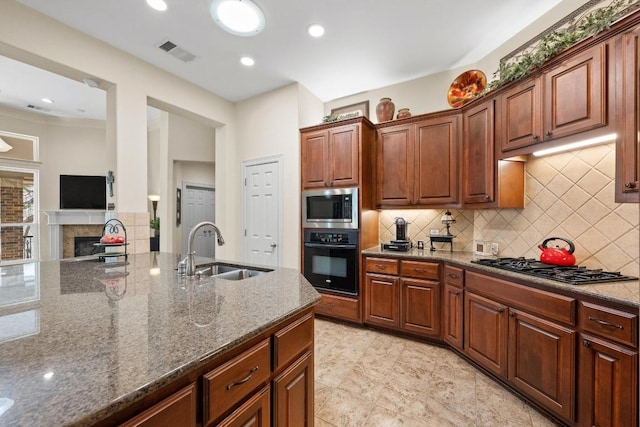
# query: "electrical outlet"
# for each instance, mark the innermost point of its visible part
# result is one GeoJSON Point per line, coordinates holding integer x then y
{"type": "Point", "coordinates": [494, 248]}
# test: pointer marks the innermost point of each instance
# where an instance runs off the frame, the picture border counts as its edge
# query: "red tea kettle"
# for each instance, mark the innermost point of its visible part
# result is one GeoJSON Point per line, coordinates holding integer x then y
{"type": "Point", "coordinates": [557, 255]}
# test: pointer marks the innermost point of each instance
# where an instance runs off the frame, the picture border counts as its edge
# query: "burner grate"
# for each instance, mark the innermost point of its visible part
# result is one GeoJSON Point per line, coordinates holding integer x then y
{"type": "Point", "coordinates": [573, 275]}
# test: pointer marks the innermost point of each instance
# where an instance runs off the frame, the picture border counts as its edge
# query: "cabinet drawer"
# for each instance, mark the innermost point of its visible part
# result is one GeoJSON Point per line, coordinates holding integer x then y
{"type": "Point", "coordinates": [543, 303]}
{"type": "Point", "coordinates": [609, 323]}
{"type": "Point", "coordinates": [420, 269]}
{"type": "Point", "coordinates": [453, 275]}
{"type": "Point", "coordinates": [292, 340]}
{"type": "Point", "coordinates": [340, 307]}
{"type": "Point", "coordinates": [177, 409]}
{"type": "Point", "coordinates": [382, 265]}
{"type": "Point", "coordinates": [227, 385]}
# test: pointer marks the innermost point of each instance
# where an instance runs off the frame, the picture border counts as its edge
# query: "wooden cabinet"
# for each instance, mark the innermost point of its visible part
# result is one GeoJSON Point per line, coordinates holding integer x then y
{"type": "Point", "coordinates": [575, 94]}
{"type": "Point", "coordinates": [254, 412]}
{"type": "Point", "coordinates": [418, 163]}
{"type": "Point", "coordinates": [627, 50]}
{"type": "Point", "coordinates": [339, 307]}
{"type": "Point", "coordinates": [569, 98]}
{"type": "Point", "coordinates": [293, 394]}
{"type": "Point", "coordinates": [453, 307]}
{"type": "Point", "coordinates": [403, 295]}
{"type": "Point", "coordinates": [178, 409]}
{"type": "Point", "coordinates": [332, 154]}
{"type": "Point", "coordinates": [608, 375]}
{"type": "Point", "coordinates": [513, 331]}
{"type": "Point", "coordinates": [487, 182]}
{"type": "Point", "coordinates": [542, 361]}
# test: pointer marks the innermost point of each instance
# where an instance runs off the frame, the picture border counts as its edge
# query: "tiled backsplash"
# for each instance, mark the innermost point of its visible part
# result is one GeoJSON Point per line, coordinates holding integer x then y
{"type": "Point", "coordinates": [567, 195]}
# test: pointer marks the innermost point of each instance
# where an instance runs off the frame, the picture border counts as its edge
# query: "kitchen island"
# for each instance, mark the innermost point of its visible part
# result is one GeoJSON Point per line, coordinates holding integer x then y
{"type": "Point", "coordinates": [81, 341]}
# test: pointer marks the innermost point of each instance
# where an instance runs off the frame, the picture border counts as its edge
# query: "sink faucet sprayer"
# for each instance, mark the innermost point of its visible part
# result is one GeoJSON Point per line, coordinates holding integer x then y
{"type": "Point", "coordinates": [190, 260]}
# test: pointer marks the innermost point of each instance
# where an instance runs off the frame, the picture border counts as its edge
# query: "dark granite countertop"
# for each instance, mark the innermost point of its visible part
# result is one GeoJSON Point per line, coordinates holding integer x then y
{"type": "Point", "coordinates": [81, 339]}
{"type": "Point", "coordinates": [627, 293]}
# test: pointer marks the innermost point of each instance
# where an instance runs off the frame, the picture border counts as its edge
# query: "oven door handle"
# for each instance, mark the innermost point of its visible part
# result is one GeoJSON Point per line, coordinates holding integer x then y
{"type": "Point", "coordinates": [330, 246]}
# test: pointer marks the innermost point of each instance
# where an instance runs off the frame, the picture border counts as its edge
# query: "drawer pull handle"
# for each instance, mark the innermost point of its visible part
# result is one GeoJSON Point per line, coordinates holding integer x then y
{"type": "Point", "coordinates": [605, 323]}
{"type": "Point", "coordinates": [500, 310]}
{"type": "Point", "coordinates": [420, 270]}
{"type": "Point", "coordinates": [586, 344]}
{"type": "Point", "coordinates": [512, 314]}
{"type": "Point", "coordinates": [456, 294]}
{"type": "Point", "coordinates": [244, 380]}
{"type": "Point", "coordinates": [381, 266]}
{"type": "Point", "coordinates": [630, 185]}
{"type": "Point", "coordinates": [452, 275]}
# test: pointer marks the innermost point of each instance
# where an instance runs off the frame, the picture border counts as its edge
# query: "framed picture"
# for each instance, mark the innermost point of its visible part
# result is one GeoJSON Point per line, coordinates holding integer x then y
{"type": "Point", "coordinates": [362, 107]}
{"type": "Point", "coordinates": [178, 207]}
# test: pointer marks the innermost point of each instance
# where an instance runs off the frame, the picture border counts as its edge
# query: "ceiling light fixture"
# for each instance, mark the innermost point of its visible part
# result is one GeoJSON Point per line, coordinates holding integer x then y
{"type": "Point", "coordinates": [160, 5]}
{"type": "Point", "coordinates": [4, 146]}
{"type": "Point", "coordinates": [48, 100]}
{"type": "Point", "coordinates": [575, 145]}
{"type": "Point", "coordinates": [246, 61]}
{"type": "Point", "coordinates": [315, 30]}
{"type": "Point", "coordinates": [239, 17]}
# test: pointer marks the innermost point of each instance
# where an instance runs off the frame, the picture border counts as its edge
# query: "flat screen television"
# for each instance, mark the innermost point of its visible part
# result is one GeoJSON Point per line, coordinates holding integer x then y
{"type": "Point", "coordinates": [83, 192]}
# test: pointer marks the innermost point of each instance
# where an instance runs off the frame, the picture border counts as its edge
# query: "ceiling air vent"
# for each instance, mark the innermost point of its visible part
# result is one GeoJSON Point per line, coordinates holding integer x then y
{"type": "Point", "coordinates": [174, 50]}
{"type": "Point", "coordinates": [35, 107]}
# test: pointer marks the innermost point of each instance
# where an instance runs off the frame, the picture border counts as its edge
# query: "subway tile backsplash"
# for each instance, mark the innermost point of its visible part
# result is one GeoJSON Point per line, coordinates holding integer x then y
{"type": "Point", "coordinates": [567, 195]}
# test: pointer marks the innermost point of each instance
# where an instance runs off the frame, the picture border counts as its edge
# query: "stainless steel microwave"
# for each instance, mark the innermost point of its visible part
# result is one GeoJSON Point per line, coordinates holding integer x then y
{"type": "Point", "coordinates": [330, 208]}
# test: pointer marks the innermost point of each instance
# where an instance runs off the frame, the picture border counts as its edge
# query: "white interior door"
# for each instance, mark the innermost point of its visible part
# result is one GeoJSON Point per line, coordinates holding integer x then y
{"type": "Point", "coordinates": [262, 216]}
{"type": "Point", "coordinates": [198, 204]}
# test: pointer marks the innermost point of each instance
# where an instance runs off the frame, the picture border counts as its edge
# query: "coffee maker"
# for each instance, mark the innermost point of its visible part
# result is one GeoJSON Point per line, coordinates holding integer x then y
{"type": "Point", "coordinates": [401, 243]}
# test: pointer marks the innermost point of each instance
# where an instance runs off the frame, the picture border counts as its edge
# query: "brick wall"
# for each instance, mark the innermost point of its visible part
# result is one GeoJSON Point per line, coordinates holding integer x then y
{"type": "Point", "coordinates": [11, 209]}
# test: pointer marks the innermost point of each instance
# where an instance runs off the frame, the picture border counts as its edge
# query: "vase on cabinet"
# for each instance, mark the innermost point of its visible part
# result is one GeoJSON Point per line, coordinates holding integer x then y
{"type": "Point", "coordinates": [403, 113]}
{"type": "Point", "coordinates": [385, 110]}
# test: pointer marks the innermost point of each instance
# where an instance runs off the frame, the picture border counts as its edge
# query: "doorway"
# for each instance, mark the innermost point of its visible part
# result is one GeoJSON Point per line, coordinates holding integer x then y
{"type": "Point", "coordinates": [262, 208]}
{"type": "Point", "coordinates": [198, 204]}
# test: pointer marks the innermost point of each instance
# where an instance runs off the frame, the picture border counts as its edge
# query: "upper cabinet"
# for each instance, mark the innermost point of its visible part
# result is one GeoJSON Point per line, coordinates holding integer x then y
{"type": "Point", "coordinates": [567, 99]}
{"type": "Point", "coordinates": [627, 117]}
{"type": "Point", "coordinates": [417, 163]}
{"type": "Point", "coordinates": [487, 182]}
{"type": "Point", "coordinates": [331, 154]}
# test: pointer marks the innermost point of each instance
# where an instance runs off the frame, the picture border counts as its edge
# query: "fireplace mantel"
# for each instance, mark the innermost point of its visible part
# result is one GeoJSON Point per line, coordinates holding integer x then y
{"type": "Point", "coordinates": [56, 219]}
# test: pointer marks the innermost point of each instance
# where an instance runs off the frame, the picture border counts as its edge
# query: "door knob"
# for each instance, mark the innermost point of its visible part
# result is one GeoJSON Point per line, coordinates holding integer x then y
{"type": "Point", "coordinates": [273, 245]}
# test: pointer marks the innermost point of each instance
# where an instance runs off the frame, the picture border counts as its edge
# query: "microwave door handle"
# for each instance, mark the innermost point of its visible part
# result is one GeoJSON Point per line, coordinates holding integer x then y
{"type": "Point", "coordinates": [330, 246]}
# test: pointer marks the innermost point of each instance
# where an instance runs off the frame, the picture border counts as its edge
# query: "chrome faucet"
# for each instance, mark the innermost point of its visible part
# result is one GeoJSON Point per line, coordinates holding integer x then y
{"type": "Point", "coordinates": [190, 260]}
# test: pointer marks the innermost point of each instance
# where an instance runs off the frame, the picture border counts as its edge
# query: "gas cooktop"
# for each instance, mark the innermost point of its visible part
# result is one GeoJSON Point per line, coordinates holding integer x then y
{"type": "Point", "coordinates": [574, 275]}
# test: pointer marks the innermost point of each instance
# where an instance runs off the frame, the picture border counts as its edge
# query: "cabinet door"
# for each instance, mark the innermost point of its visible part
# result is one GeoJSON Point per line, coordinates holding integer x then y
{"type": "Point", "coordinates": [436, 161]}
{"type": "Point", "coordinates": [575, 94]}
{"type": "Point", "coordinates": [253, 413]}
{"type": "Point", "coordinates": [478, 167]}
{"type": "Point", "coordinates": [395, 175]}
{"type": "Point", "coordinates": [315, 159]}
{"type": "Point", "coordinates": [522, 115]}
{"type": "Point", "coordinates": [420, 308]}
{"type": "Point", "coordinates": [453, 317]}
{"type": "Point", "coordinates": [608, 384]}
{"type": "Point", "coordinates": [485, 332]}
{"type": "Point", "coordinates": [293, 394]}
{"type": "Point", "coordinates": [382, 305]}
{"type": "Point", "coordinates": [542, 362]}
{"type": "Point", "coordinates": [343, 156]}
{"type": "Point", "coordinates": [628, 104]}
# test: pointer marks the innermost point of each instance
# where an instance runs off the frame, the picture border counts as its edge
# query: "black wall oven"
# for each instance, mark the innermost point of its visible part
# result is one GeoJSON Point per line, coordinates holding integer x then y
{"type": "Point", "coordinates": [331, 260]}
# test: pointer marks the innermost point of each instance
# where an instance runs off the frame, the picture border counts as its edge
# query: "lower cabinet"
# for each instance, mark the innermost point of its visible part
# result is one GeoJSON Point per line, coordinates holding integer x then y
{"type": "Point", "coordinates": [293, 394]}
{"type": "Point", "coordinates": [179, 409]}
{"type": "Point", "coordinates": [534, 354]}
{"type": "Point", "coordinates": [254, 412]}
{"type": "Point", "coordinates": [403, 295]}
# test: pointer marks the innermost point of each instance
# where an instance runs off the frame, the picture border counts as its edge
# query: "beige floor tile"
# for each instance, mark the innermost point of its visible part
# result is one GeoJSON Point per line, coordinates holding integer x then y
{"type": "Point", "coordinates": [368, 378]}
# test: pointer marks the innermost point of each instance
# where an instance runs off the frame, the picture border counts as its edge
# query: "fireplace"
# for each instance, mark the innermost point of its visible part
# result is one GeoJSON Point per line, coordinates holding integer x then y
{"type": "Point", "coordinates": [84, 245]}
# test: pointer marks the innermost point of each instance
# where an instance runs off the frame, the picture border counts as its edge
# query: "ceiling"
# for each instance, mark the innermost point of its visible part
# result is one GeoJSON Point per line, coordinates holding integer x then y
{"type": "Point", "coordinates": [368, 44]}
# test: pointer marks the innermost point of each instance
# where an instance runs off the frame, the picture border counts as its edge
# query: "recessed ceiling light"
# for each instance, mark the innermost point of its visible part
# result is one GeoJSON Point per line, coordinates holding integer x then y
{"type": "Point", "coordinates": [157, 4]}
{"type": "Point", "coordinates": [245, 60]}
{"type": "Point", "coordinates": [315, 30]}
{"type": "Point", "coordinates": [239, 17]}
{"type": "Point", "coordinates": [47, 100]}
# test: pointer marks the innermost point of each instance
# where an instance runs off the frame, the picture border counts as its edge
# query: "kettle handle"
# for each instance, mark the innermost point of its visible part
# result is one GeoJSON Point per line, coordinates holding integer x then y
{"type": "Point", "coordinates": [572, 247]}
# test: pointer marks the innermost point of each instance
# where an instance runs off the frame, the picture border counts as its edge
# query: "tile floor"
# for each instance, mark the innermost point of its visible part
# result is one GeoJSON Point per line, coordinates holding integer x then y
{"type": "Point", "coordinates": [368, 378]}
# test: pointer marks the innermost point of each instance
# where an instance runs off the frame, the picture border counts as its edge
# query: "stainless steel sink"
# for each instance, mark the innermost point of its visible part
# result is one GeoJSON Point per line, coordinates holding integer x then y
{"type": "Point", "coordinates": [228, 271]}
